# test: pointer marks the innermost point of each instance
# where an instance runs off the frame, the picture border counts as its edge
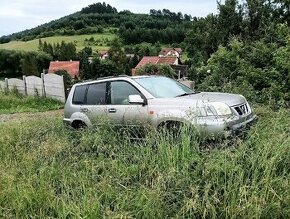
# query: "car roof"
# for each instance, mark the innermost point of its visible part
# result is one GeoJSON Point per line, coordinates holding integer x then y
{"type": "Point", "coordinates": [115, 78]}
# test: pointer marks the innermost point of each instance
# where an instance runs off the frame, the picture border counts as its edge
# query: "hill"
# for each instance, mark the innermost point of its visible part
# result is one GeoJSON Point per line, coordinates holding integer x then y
{"type": "Point", "coordinates": [158, 26]}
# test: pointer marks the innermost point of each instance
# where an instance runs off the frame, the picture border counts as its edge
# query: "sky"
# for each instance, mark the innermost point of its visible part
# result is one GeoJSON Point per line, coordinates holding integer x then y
{"type": "Point", "coordinates": [18, 15]}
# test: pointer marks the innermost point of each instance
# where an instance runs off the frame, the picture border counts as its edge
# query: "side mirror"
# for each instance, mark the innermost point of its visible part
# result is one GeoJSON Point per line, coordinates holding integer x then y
{"type": "Point", "coordinates": [135, 99]}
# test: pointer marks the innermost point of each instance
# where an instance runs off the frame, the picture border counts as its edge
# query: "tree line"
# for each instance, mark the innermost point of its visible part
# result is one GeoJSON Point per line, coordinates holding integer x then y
{"type": "Point", "coordinates": [97, 17]}
{"type": "Point", "coordinates": [16, 64]}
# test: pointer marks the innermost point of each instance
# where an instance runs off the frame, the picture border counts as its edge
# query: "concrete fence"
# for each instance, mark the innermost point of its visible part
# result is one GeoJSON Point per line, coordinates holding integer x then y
{"type": "Point", "coordinates": [48, 85]}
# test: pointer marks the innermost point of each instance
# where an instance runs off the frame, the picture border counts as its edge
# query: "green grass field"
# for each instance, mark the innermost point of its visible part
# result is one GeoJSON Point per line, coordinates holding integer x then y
{"type": "Point", "coordinates": [50, 171]}
{"type": "Point", "coordinates": [79, 41]}
{"type": "Point", "coordinates": [16, 103]}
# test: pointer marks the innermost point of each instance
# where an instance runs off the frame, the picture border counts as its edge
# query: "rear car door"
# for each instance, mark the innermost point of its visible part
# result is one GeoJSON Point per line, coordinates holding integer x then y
{"type": "Point", "coordinates": [95, 102]}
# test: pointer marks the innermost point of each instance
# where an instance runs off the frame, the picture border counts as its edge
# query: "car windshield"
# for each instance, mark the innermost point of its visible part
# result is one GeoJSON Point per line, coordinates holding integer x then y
{"type": "Point", "coordinates": [163, 87]}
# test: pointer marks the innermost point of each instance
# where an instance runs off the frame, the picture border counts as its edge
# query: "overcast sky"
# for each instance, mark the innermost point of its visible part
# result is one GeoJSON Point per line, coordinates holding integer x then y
{"type": "Point", "coordinates": [18, 15]}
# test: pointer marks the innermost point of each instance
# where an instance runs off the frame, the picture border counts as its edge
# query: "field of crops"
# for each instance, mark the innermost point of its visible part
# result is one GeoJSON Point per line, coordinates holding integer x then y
{"type": "Point", "coordinates": [51, 171]}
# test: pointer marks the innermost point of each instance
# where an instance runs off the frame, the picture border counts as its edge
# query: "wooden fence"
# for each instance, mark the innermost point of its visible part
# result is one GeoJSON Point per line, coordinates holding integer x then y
{"type": "Point", "coordinates": [48, 85]}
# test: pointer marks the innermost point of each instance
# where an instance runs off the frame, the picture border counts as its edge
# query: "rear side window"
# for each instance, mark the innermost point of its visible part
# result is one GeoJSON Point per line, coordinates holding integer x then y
{"type": "Point", "coordinates": [79, 94]}
{"type": "Point", "coordinates": [96, 94]}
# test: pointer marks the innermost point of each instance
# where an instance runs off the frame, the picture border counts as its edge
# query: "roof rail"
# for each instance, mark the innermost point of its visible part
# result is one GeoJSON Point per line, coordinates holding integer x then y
{"type": "Point", "coordinates": [105, 77]}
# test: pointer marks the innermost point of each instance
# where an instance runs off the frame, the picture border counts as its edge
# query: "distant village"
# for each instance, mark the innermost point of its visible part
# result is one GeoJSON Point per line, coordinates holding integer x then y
{"type": "Point", "coordinates": [168, 56]}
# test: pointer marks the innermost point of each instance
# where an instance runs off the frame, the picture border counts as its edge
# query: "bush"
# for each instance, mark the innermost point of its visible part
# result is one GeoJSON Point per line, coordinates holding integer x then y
{"type": "Point", "coordinates": [258, 70]}
{"type": "Point", "coordinates": [156, 69]}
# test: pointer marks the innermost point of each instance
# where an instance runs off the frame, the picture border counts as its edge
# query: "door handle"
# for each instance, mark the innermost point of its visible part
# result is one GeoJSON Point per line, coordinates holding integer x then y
{"type": "Point", "coordinates": [112, 110]}
{"type": "Point", "coordinates": [84, 110]}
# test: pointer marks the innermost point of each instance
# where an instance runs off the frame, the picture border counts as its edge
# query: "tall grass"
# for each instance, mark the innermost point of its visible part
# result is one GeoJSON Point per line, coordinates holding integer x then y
{"type": "Point", "coordinates": [49, 171]}
{"type": "Point", "coordinates": [13, 102]}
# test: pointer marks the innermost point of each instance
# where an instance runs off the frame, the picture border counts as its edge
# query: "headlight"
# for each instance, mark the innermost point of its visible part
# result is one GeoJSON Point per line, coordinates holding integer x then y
{"type": "Point", "coordinates": [221, 109]}
{"type": "Point", "coordinates": [214, 109]}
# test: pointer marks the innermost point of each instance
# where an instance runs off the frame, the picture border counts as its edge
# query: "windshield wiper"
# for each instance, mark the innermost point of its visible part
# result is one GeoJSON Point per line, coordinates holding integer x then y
{"type": "Point", "coordinates": [184, 94]}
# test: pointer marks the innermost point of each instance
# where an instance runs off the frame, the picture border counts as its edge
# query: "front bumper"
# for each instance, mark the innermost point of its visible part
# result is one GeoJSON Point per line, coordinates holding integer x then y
{"type": "Point", "coordinates": [67, 121]}
{"type": "Point", "coordinates": [219, 126]}
{"type": "Point", "coordinates": [243, 125]}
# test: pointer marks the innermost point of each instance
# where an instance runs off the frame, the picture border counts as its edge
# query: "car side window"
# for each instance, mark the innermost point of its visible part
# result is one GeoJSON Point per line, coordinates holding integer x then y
{"type": "Point", "coordinates": [120, 91]}
{"type": "Point", "coordinates": [96, 94]}
{"type": "Point", "coordinates": [79, 94]}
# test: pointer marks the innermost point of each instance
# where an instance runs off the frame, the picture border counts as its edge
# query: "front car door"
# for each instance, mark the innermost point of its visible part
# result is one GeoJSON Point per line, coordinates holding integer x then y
{"type": "Point", "coordinates": [120, 110]}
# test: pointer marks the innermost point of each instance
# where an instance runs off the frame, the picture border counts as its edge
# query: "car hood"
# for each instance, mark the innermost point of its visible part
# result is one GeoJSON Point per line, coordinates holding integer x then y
{"type": "Point", "coordinates": [229, 99]}
{"type": "Point", "coordinates": [199, 99]}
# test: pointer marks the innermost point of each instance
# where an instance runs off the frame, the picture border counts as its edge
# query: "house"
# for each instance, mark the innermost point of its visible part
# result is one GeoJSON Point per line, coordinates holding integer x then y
{"type": "Point", "coordinates": [180, 70]}
{"type": "Point", "coordinates": [104, 54]}
{"type": "Point", "coordinates": [170, 52]}
{"type": "Point", "coordinates": [72, 67]}
{"type": "Point", "coordinates": [158, 60]}
{"type": "Point", "coordinates": [173, 61]}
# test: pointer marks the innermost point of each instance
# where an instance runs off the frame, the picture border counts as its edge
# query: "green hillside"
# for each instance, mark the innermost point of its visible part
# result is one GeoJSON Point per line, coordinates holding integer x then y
{"type": "Point", "coordinates": [101, 42]}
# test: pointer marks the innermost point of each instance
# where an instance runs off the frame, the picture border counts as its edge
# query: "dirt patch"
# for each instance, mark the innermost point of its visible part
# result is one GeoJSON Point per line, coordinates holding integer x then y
{"type": "Point", "coordinates": [30, 115]}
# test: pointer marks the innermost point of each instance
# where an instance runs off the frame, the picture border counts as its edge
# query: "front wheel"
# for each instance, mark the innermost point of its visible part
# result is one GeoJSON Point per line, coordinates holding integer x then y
{"type": "Point", "coordinates": [172, 128]}
{"type": "Point", "coordinates": [79, 125]}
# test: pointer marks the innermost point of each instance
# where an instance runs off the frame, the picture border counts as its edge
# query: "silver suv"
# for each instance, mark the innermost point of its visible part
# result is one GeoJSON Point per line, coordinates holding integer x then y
{"type": "Point", "coordinates": [157, 100]}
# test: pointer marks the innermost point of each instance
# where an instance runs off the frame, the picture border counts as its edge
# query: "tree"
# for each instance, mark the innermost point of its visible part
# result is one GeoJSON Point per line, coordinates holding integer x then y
{"type": "Point", "coordinates": [66, 79]}
{"type": "Point", "coordinates": [229, 20]}
{"type": "Point", "coordinates": [99, 68]}
{"type": "Point", "coordinates": [29, 65]}
{"type": "Point", "coordinates": [117, 55]}
{"type": "Point", "coordinates": [10, 63]}
{"type": "Point", "coordinates": [83, 57]}
{"type": "Point", "coordinates": [156, 69]}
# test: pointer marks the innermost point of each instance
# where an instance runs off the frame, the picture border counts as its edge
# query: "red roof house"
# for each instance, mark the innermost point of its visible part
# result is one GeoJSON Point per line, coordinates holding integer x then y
{"type": "Point", "coordinates": [148, 59]}
{"type": "Point", "coordinates": [170, 52]}
{"type": "Point", "coordinates": [72, 67]}
{"type": "Point", "coordinates": [168, 60]}
{"type": "Point", "coordinates": [157, 60]}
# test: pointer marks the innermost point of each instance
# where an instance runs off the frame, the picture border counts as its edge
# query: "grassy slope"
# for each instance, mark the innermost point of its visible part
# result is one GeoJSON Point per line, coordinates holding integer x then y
{"type": "Point", "coordinates": [77, 39]}
{"type": "Point", "coordinates": [15, 103]}
{"type": "Point", "coordinates": [47, 170]}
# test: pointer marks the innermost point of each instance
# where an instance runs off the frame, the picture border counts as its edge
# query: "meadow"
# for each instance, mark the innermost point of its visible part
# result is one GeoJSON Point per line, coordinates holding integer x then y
{"type": "Point", "coordinates": [48, 170]}
{"type": "Point", "coordinates": [101, 42]}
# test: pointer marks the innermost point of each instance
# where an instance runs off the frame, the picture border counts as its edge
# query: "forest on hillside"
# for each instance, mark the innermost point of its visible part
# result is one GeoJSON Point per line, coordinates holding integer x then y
{"type": "Point", "coordinates": [244, 48]}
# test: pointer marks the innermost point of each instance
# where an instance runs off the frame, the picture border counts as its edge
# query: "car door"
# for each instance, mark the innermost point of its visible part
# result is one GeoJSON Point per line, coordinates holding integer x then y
{"type": "Point", "coordinates": [95, 103]}
{"type": "Point", "coordinates": [120, 110]}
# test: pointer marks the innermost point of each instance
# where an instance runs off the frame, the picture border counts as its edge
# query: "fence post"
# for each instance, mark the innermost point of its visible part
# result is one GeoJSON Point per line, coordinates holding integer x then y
{"type": "Point", "coordinates": [6, 88]}
{"type": "Point", "coordinates": [64, 88]}
{"type": "Point", "coordinates": [25, 86]}
{"type": "Point", "coordinates": [43, 85]}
